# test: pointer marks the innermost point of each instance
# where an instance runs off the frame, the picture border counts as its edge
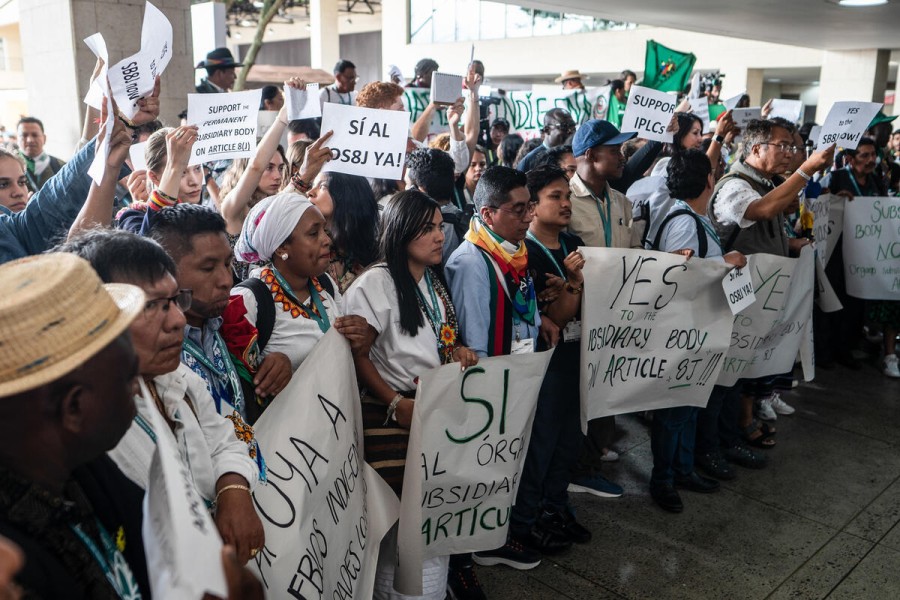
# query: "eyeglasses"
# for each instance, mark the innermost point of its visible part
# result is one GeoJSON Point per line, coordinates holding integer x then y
{"type": "Point", "coordinates": [786, 148]}
{"type": "Point", "coordinates": [563, 127]}
{"type": "Point", "coordinates": [153, 308]}
{"type": "Point", "coordinates": [519, 211]}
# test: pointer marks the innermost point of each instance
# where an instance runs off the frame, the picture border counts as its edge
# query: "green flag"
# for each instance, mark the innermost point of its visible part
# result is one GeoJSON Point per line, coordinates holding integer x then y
{"type": "Point", "coordinates": [665, 69]}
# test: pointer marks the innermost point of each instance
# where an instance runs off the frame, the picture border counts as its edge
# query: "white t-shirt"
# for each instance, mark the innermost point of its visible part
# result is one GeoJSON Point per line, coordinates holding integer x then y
{"type": "Point", "coordinates": [293, 336]}
{"type": "Point", "coordinates": [330, 94]}
{"type": "Point", "coordinates": [398, 357]}
{"type": "Point", "coordinates": [732, 201]}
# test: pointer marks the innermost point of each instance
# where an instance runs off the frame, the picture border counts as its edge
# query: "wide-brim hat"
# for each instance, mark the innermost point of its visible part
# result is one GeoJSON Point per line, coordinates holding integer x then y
{"type": "Point", "coordinates": [576, 74]}
{"type": "Point", "coordinates": [218, 58]}
{"type": "Point", "coordinates": [55, 315]}
{"type": "Point", "coordinates": [598, 132]}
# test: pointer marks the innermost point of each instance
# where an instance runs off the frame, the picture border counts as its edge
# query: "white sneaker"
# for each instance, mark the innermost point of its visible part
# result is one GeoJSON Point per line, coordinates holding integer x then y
{"type": "Point", "coordinates": [891, 368]}
{"type": "Point", "coordinates": [780, 406]}
{"type": "Point", "coordinates": [610, 456]}
{"type": "Point", "coordinates": [765, 410]}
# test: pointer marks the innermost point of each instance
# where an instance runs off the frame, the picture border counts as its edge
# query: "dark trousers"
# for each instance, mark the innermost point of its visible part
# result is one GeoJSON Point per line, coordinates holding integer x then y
{"type": "Point", "coordinates": [553, 448]}
{"type": "Point", "coordinates": [837, 333]}
{"type": "Point", "coordinates": [600, 435]}
{"type": "Point", "coordinates": [672, 437]}
{"type": "Point", "coordinates": [717, 424]}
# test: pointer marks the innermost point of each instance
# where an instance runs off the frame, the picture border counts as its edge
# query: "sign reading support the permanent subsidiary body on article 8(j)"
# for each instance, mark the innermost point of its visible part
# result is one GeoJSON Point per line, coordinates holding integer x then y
{"type": "Point", "coordinates": [366, 141]}
{"type": "Point", "coordinates": [226, 125]}
{"type": "Point", "coordinates": [649, 112]}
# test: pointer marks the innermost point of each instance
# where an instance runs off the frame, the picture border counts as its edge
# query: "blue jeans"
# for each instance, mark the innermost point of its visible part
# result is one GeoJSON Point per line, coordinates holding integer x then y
{"type": "Point", "coordinates": [672, 443]}
{"type": "Point", "coordinates": [553, 449]}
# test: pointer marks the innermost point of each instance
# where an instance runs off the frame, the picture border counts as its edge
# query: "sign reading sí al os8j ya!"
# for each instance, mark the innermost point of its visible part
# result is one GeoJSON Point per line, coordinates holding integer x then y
{"type": "Point", "coordinates": [655, 328]}
{"type": "Point", "coordinates": [366, 141]}
{"type": "Point", "coordinates": [871, 245]}
{"type": "Point", "coordinates": [649, 113]}
{"type": "Point", "coordinates": [226, 125]}
{"type": "Point", "coordinates": [467, 446]}
{"type": "Point", "coordinates": [846, 122]}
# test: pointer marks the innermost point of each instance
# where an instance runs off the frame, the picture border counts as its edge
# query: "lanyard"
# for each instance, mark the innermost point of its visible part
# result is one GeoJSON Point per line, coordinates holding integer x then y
{"type": "Point", "coordinates": [549, 254]}
{"type": "Point", "coordinates": [224, 372]}
{"type": "Point", "coordinates": [712, 232]}
{"type": "Point", "coordinates": [607, 219]}
{"type": "Point", "coordinates": [321, 319]}
{"type": "Point", "coordinates": [432, 310]}
{"type": "Point", "coordinates": [114, 566]}
{"type": "Point", "coordinates": [856, 185]}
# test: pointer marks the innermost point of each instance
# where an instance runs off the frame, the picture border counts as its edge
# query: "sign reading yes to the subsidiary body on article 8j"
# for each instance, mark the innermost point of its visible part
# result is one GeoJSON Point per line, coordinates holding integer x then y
{"type": "Point", "coordinates": [366, 141]}
{"type": "Point", "coordinates": [226, 125]}
{"type": "Point", "coordinates": [649, 112]}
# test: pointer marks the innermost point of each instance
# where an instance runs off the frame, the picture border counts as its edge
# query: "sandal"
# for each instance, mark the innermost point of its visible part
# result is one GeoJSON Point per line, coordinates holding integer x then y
{"type": "Point", "coordinates": [767, 429]}
{"type": "Point", "coordinates": [763, 438]}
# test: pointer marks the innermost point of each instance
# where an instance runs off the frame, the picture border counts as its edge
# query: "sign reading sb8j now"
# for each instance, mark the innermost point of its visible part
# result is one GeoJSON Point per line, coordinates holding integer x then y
{"type": "Point", "coordinates": [366, 141]}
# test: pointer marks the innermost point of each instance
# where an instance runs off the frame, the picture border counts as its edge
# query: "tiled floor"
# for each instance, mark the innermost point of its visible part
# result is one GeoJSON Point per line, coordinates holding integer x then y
{"type": "Point", "coordinates": [821, 521]}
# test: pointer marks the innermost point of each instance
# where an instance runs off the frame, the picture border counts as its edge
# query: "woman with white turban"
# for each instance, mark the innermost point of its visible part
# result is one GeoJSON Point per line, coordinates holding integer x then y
{"type": "Point", "coordinates": [287, 233]}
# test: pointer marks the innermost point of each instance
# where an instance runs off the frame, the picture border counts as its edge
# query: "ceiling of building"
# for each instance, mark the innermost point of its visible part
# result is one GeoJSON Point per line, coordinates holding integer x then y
{"type": "Point", "coordinates": [810, 23]}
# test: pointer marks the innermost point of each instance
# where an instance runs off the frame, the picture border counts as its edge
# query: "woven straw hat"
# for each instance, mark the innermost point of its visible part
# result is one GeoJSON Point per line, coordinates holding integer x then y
{"type": "Point", "coordinates": [566, 75]}
{"type": "Point", "coordinates": [55, 314]}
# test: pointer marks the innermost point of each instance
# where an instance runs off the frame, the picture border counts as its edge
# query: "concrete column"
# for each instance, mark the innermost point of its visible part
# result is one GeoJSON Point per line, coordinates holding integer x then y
{"type": "Point", "coordinates": [57, 73]}
{"type": "Point", "coordinates": [207, 31]}
{"type": "Point", "coordinates": [851, 75]}
{"type": "Point", "coordinates": [325, 47]}
{"type": "Point", "coordinates": [755, 86]}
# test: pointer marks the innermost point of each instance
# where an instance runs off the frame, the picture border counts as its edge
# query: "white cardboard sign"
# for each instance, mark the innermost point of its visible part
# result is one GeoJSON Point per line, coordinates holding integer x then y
{"type": "Point", "coordinates": [649, 113]}
{"type": "Point", "coordinates": [133, 78]}
{"type": "Point", "coordinates": [767, 336]}
{"type": "Point", "coordinates": [366, 141]}
{"type": "Point", "coordinates": [731, 103]}
{"type": "Point", "coordinates": [655, 328]}
{"type": "Point", "coordinates": [226, 125]}
{"type": "Point", "coordinates": [738, 286]}
{"type": "Point", "coordinates": [743, 116]}
{"type": "Point", "coordinates": [846, 123]}
{"type": "Point", "coordinates": [871, 245]}
{"type": "Point", "coordinates": [181, 541]}
{"type": "Point", "coordinates": [700, 107]}
{"type": "Point", "coordinates": [302, 103]}
{"type": "Point", "coordinates": [467, 445]}
{"type": "Point", "coordinates": [138, 157]}
{"type": "Point", "coordinates": [324, 509]}
{"type": "Point", "coordinates": [786, 109]}
{"type": "Point", "coordinates": [98, 166]}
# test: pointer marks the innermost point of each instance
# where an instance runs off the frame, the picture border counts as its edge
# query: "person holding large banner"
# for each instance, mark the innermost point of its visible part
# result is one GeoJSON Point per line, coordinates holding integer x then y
{"type": "Point", "coordinates": [672, 433]}
{"type": "Point", "coordinates": [410, 309]}
{"type": "Point", "coordinates": [541, 515]}
{"type": "Point", "coordinates": [492, 264]}
{"type": "Point", "coordinates": [747, 209]}
{"type": "Point", "coordinates": [843, 328]}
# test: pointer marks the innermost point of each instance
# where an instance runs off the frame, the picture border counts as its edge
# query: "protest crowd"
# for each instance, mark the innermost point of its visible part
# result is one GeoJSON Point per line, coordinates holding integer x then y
{"type": "Point", "coordinates": [198, 282]}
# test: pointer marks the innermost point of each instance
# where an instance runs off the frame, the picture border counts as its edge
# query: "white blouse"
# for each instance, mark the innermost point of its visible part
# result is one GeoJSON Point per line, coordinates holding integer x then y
{"type": "Point", "coordinates": [294, 337]}
{"type": "Point", "coordinates": [399, 358]}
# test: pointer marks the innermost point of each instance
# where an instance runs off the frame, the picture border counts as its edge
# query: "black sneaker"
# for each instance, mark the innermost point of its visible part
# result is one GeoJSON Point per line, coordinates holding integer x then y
{"type": "Point", "coordinates": [463, 584]}
{"type": "Point", "coordinates": [743, 456]}
{"type": "Point", "coordinates": [714, 464]}
{"type": "Point", "coordinates": [564, 524]}
{"type": "Point", "coordinates": [545, 541]}
{"type": "Point", "coordinates": [512, 554]}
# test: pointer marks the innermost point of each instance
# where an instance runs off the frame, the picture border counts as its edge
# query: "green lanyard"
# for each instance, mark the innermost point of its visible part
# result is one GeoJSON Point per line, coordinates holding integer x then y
{"type": "Point", "coordinates": [433, 310]}
{"type": "Point", "coordinates": [712, 232]}
{"type": "Point", "coordinates": [321, 319]}
{"type": "Point", "coordinates": [607, 219]}
{"type": "Point", "coordinates": [855, 185]}
{"type": "Point", "coordinates": [114, 566]}
{"type": "Point", "coordinates": [549, 254]}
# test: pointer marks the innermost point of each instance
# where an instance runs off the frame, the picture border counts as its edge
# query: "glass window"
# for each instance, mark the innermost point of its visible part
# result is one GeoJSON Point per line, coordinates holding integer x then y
{"type": "Point", "coordinates": [518, 22]}
{"type": "Point", "coordinates": [547, 23]}
{"type": "Point", "coordinates": [493, 21]}
{"type": "Point", "coordinates": [421, 22]}
{"type": "Point", "coordinates": [466, 20]}
{"type": "Point", "coordinates": [577, 24]}
{"type": "Point", "coordinates": [444, 21]}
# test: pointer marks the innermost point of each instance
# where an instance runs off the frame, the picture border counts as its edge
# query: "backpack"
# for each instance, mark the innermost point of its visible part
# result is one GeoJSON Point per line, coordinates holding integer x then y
{"type": "Point", "coordinates": [703, 244]}
{"type": "Point", "coordinates": [265, 324]}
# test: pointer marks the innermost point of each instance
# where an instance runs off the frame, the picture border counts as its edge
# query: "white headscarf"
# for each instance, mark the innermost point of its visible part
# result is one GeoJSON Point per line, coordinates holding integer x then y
{"type": "Point", "coordinates": [268, 225]}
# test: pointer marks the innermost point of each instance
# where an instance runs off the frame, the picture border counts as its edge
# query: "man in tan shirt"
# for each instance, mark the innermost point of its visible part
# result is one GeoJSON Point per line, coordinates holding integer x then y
{"type": "Point", "coordinates": [601, 216]}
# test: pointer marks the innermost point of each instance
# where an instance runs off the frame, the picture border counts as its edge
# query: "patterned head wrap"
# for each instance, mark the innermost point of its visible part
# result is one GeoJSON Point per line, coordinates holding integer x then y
{"type": "Point", "coordinates": [268, 225]}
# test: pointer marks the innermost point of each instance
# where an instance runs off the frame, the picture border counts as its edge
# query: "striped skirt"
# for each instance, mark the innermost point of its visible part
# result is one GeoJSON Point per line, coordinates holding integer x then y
{"type": "Point", "coordinates": [385, 445]}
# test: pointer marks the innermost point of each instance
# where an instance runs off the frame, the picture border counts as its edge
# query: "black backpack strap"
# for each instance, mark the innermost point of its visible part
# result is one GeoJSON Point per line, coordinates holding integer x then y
{"type": "Point", "coordinates": [325, 281]}
{"type": "Point", "coordinates": [265, 309]}
{"type": "Point", "coordinates": [702, 244]}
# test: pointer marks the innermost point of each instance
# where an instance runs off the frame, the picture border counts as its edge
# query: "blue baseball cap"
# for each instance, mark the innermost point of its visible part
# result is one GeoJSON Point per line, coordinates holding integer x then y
{"type": "Point", "coordinates": [598, 132]}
